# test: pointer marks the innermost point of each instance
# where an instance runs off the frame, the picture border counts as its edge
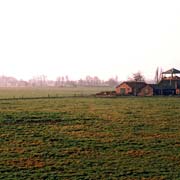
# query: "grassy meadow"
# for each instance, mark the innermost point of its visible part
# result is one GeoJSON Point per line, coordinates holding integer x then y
{"type": "Point", "coordinates": [90, 138]}
{"type": "Point", "coordinates": [27, 92]}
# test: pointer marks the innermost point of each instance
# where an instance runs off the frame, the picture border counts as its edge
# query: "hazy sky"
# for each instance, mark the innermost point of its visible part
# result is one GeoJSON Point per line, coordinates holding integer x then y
{"type": "Point", "coordinates": [88, 37]}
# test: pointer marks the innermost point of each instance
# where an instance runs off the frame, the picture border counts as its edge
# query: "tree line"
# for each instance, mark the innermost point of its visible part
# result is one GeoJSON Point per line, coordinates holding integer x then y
{"type": "Point", "coordinates": [65, 81]}
{"type": "Point", "coordinates": [61, 81]}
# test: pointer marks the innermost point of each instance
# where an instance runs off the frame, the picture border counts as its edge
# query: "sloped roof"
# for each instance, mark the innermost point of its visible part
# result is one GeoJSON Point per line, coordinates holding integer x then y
{"type": "Point", "coordinates": [134, 84]}
{"type": "Point", "coordinates": [172, 71]}
{"type": "Point", "coordinates": [154, 86]}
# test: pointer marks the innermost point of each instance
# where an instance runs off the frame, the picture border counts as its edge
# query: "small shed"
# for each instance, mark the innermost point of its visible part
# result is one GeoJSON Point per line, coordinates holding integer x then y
{"type": "Point", "coordinates": [148, 90]}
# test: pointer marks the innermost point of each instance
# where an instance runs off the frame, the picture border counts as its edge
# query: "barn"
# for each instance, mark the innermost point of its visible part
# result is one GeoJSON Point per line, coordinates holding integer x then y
{"type": "Point", "coordinates": [139, 89]}
{"type": "Point", "coordinates": [130, 88]}
{"type": "Point", "coordinates": [169, 84]}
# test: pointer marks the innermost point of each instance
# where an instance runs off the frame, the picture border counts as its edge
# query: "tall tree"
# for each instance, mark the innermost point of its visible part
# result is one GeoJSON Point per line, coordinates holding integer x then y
{"type": "Point", "coordinates": [138, 77]}
{"type": "Point", "coordinates": [158, 75]}
{"type": "Point", "coordinates": [156, 79]}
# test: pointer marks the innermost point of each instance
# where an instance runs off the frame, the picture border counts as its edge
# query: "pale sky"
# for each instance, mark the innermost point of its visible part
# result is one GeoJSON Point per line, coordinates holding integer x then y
{"type": "Point", "coordinates": [88, 37]}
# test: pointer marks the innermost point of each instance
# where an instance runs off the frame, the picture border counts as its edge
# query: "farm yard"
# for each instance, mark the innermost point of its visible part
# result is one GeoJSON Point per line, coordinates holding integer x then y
{"type": "Point", "coordinates": [125, 138]}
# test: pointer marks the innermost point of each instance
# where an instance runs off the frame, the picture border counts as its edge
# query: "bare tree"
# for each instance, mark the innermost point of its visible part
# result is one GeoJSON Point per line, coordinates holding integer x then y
{"type": "Point", "coordinates": [137, 77]}
{"type": "Point", "coordinates": [39, 81]}
{"type": "Point", "coordinates": [67, 78]}
{"type": "Point", "coordinates": [112, 82]}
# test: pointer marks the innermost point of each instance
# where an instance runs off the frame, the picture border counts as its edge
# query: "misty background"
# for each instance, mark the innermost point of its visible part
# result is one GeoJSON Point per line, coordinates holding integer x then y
{"type": "Point", "coordinates": [86, 42]}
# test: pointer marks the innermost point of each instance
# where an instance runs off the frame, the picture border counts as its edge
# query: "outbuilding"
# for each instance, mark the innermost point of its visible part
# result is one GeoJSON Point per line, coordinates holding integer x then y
{"type": "Point", "coordinates": [148, 90]}
{"type": "Point", "coordinates": [130, 88]}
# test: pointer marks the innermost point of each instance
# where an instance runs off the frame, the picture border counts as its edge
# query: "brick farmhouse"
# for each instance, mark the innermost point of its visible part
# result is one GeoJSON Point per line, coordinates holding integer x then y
{"type": "Point", "coordinates": [167, 86]}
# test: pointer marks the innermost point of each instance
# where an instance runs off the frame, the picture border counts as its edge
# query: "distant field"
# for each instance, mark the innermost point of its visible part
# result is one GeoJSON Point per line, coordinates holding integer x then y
{"type": "Point", "coordinates": [45, 92]}
{"type": "Point", "coordinates": [90, 138]}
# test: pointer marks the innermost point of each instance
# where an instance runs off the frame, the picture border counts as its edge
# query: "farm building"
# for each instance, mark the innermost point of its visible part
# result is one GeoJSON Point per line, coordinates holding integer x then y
{"type": "Point", "coordinates": [130, 88]}
{"type": "Point", "coordinates": [148, 90]}
{"type": "Point", "coordinates": [167, 86]}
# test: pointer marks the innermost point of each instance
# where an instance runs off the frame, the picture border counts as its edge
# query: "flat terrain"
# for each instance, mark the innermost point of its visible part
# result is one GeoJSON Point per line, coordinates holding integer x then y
{"type": "Point", "coordinates": [90, 138]}
{"type": "Point", "coordinates": [27, 92]}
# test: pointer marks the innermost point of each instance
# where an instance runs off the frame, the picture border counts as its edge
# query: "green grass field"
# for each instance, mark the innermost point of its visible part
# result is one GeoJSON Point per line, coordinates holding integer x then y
{"type": "Point", "coordinates": [90, 138]}
{"type": "Point", "coordinates": [50, 92]}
